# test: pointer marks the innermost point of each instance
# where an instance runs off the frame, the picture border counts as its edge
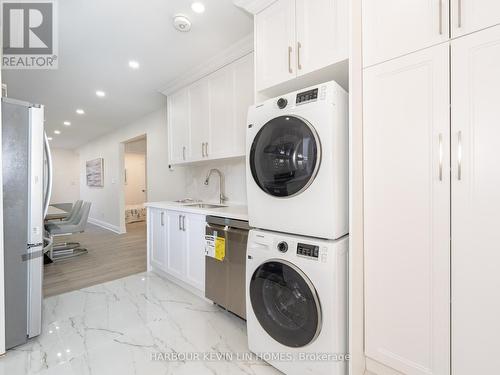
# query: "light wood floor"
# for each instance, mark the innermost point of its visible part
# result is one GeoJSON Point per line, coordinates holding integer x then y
{"type": "Point", "coordinates": [111, 256]}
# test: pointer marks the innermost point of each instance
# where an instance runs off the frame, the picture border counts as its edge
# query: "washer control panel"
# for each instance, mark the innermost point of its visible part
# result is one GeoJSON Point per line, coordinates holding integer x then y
{"type": "Point", "coordinates": [282, 247]}
{"type": "Point", "coordinates": [306, 250]}
{"type": "Point", "coordinates": [307, 96]}
{"type": "Point", "coordinates": [282, 103]}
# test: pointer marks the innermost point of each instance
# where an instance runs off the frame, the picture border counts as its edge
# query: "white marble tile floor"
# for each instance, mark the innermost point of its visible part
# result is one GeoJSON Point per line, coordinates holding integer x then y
{"type": "Point", "coordinates": [134, 326]}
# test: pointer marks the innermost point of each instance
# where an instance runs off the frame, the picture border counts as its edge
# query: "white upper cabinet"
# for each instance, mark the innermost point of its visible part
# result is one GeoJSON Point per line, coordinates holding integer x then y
{"type": "Point", "coordinates": [407, 213]}
{"type": "Point", "coordinates": [207, 120]}
{"type": "Point", "coordinates": [243, 86]}
{"type": "Point", "coordinates": [475, 200]}
{"type": "Point", "coordinates": [199, 116]}
{"type": "Point", "coordinates": [178, 126]}
{"type": "Point", "coordinates": [473, 15]}
{"type": "Point", "coordinates": [321, 36]}
{"type": "Point", "coordinates": [275, 41]}
{"type": "Point", "coordinates": [221, 123]}
{"type": "Point", "coordinates": [393, 28]}
{"type": "Point", "coordinates": [297, 37]}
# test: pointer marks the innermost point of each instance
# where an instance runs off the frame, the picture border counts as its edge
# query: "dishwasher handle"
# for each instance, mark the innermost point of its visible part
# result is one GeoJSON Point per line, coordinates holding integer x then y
{"type": "Point", "coordinates": [221, 228]}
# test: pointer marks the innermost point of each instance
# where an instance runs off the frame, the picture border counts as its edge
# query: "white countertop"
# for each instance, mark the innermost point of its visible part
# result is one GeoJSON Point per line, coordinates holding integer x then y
{"type": "Point", "coordinates": [238, 212]}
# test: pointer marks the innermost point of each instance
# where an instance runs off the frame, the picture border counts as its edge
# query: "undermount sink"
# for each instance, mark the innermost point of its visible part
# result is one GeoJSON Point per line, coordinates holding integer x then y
{"type": "Point", "coordinates": [205, 205]}
{"type": "Point", "coordinates": [187, 200]}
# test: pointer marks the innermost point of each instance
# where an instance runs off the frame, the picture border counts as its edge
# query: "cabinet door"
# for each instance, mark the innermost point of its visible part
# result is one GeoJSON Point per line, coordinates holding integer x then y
{"type": "Point", "coordinates": [178, 125]}
{"type": "Point", "coordinates": [243, 96]}
{"type": "Point", "coordinates": [157, 238]}
{"type": "Point", "coordinates": [275, 44]}
{"type": "Point", "coordinates": [392, 28]}
{"type": "Point", "coordinates": [473, 15]}
{"type": "Point", "coordinates": [407, 212]}
{"type": "Point", "coordinates": [475, 203]}
{"type": "Point", "coordinates": [220, 86]}
{"type": "Point", "coordinates": [199, 115]}
{"type": "Point", "coordinates": [322, 33]}
{"type": "Point", "coordinates": [176, 245]}
{"type": "Point", "coordinates": [195, 250]}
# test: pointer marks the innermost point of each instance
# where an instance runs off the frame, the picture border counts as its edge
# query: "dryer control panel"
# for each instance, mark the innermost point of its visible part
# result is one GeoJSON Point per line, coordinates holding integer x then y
{"type": "Point", "coordinates": [307, 96]}
{"type": "Point", "coordinates": [306, 250]}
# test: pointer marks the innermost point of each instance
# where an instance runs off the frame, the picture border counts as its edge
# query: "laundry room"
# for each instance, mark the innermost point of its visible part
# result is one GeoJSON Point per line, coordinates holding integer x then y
{"type": "Point", "coordinates": [265, 187]}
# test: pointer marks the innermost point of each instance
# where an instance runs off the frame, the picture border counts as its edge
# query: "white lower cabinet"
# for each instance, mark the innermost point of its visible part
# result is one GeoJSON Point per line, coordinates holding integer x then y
{"type": "Point", "coordinates": [432, 210]}
{"type": "Point", "coordinates": [176, 245]}
{"type": "Point", "coordinates": [156, 238]}
{"type": "Point", "coordinates": [195, 250]}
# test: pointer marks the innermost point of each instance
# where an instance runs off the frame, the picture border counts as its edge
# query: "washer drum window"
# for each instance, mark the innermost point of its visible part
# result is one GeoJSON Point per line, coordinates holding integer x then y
{"type": "Point", "coordinates": [285, 303]}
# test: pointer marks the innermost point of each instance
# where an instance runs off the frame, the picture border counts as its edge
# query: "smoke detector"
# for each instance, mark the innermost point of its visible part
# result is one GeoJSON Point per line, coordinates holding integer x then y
{"type": "Point", "coordinates": [182, 23]}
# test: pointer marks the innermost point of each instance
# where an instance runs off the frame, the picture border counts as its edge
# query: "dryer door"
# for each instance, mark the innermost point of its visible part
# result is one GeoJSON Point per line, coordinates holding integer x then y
{"type": "Point", "coordinates": [285, 303]}
{"type": "Point", "coordinates": [285, 156]}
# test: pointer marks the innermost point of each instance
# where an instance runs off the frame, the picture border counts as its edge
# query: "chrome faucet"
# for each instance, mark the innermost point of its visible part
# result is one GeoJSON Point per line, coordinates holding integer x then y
{"type": "Point", "coordinates": [222, 197]}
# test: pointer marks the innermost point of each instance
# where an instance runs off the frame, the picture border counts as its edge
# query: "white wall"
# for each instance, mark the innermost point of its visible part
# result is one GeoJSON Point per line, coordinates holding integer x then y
{"type": "Point", "coordinates": [66, 183]}
{"type": "Point", "coordinates": [108, 202]}
{"type": "Point", "coordinates": [235, 181]}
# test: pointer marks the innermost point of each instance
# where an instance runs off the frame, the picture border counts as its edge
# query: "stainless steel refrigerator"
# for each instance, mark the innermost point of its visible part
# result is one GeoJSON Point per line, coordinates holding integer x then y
{"type": "Point", "coordinates": [26, 195]}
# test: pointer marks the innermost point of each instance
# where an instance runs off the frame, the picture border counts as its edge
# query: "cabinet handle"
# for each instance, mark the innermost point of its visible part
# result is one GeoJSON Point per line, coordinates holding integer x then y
{"type": "Point", "coordinates": [459, 156]}
{"type": "Point", "coordinates": [206, 149]}
{"type": "Point", "coordinates": [183, 223]}
{"type": "Point", "coordinates": [290, 60]}
{"type": "Point", "coordinates": [162, 219]}
{"type": "Point", "coordinates": [183, 152]}
{"type": "Point", "coordinates": [441, 157]}
{"type": "Point", "coordinates": [203, 150]}
{"type": "Point", "coordinates": [440, 17]}
{"type": "Point", "coordinates": [299, 46]}
{"type": "Point", "coordinates": [459, 10]}
{"type": "Point", "coordinates": [180, 227]}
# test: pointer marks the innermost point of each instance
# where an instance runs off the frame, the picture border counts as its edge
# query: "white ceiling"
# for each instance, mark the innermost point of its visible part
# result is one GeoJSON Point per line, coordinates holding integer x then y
{"type": "Point", "coordinates": [96, 41]}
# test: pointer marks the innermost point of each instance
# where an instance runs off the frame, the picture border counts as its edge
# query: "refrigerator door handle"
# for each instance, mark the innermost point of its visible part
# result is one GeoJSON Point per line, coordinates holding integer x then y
{"type": "Point", "coordinates": [48, 191]}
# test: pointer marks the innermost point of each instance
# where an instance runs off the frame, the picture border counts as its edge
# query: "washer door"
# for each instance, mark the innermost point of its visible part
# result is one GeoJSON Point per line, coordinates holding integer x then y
{"type": "Point", "coordinates": [285, 303]}
{"type": "Point", "coordinates": [285, 156]}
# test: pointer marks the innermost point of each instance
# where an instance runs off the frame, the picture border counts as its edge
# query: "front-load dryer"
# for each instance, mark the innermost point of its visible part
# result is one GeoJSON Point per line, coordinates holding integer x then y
{"type": "Point", "coordinates": [297, 163]}
{"type": "Point", "coordinates": [296, 301]}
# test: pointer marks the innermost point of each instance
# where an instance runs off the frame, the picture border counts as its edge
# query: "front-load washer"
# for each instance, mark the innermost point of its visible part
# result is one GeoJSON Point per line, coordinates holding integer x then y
{"type": "Point", "coordinates": [297, 163]}
{"type": "Point", "coordinates": [296, 301]}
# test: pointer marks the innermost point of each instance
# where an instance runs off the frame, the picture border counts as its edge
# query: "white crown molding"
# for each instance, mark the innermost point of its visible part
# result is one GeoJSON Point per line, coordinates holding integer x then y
{"type": "Point", "coordinates": [253, 6]}
{"type": "Point", "coordinates": [241, 48]}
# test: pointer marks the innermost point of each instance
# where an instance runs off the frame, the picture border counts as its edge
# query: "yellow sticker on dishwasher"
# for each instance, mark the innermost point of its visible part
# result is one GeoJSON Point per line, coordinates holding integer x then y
{"type": "Point", "coordinates": [220, 248]}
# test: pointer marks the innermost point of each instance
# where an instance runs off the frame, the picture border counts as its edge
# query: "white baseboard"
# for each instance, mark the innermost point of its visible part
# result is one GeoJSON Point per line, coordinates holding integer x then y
{"type": "Point", "coordinates": [105, 225]}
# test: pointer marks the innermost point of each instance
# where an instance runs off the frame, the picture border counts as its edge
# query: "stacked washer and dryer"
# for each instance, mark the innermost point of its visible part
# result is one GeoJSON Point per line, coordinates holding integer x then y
{"type": "Point", "coordinates": [296, 271]}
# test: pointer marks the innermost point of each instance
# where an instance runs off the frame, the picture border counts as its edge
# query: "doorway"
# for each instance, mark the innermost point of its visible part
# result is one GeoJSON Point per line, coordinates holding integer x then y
{"type": "Point", "coordinates": [135, 181]}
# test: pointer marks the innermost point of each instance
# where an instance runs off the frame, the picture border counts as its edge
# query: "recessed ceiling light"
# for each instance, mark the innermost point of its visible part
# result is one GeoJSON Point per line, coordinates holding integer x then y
{"type": "Point", "coordinates": [134, 64]}
{"type": "Point", "coordinates": [67, 123]}
{"type": "Point", "coordinates": [100, 94]}
{"type": "Point", "coordinates": [198, 7]}
{"type": "Point", "coordinates": [80, 111]}
{"type": "Point", "coordinates": [49, 138]}
{"type": "Point", "coordinates": [57, 132]}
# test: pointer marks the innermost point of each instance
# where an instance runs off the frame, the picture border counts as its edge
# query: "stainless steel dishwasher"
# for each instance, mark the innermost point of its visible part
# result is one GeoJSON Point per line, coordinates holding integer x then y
{"type": "Point", "coordinates": [225, 280]}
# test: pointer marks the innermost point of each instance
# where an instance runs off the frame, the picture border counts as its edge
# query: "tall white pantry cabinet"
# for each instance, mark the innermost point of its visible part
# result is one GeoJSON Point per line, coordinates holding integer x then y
{"type": "Point", "coordinates": [432, 188]}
